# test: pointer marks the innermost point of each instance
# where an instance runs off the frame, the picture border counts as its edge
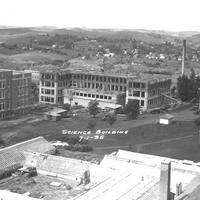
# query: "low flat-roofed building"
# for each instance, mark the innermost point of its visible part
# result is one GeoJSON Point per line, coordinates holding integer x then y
{"type": "Point", "coordinates": [84, 96]}
{"type": "Point", "coordinates": [125, 175]}
{"type": "Point", "coordinates": [166, 119]}
{"type": "Point", "coordinates": [55, 114]}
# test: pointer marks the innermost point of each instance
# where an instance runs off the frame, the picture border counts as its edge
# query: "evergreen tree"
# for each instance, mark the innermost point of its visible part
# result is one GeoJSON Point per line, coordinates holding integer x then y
{"type": "Point", "coordinates": [93, 107]}
{"type": "Point", "coordinates": [184, 89]}
{"type": "Point", "coordinates": [132, 109]}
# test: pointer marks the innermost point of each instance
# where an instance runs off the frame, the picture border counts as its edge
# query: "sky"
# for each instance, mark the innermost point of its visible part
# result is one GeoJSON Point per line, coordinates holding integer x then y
{"type": "Point", "coordinates": [169, 15]}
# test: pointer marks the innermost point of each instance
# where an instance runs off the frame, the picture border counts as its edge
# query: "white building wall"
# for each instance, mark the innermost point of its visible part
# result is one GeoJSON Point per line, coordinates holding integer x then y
{"type": "Point", "coordinates": [164, 121]}
{"type": "Point", "coordinates": [85, 101]}
{"type": "Point", "coordinates": [138, 98]}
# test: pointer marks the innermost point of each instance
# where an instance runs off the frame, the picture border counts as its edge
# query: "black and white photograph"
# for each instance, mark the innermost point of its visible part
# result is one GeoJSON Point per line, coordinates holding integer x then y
{"type": "Point", "coordinates": [100, 100]}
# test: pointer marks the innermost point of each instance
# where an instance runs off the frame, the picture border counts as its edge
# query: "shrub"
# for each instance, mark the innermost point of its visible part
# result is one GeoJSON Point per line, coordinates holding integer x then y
{"type": "Point", "coordinates": [91, 124]}
{"type": "Point", "coordinates": [111, 118]}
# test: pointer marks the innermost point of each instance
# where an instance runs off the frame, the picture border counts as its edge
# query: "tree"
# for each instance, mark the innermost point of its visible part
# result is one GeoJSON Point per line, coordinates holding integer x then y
{"type": "Point", "coordinates": [111, 119]}
{"type": "Point", "coordinates": [188, 86]}
{"type": "Point", "coordinates": [121, 99]}
{"type": "Point", "coordinates": [184, 88]}
{"type": "Point", "coordinates": [132, 109]}
{"type": "Point", "coordinates": [93, 107]}
{"type": "Point", "coordinates": [91, 124]}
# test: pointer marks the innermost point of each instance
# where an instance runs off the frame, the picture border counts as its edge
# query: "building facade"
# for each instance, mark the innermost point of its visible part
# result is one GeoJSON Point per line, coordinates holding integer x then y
{"type": "Point", "coordinates": [52, 85]}
{"type": "Point", "coordinates": [15, 93]}
{"type": "Point", "coordinates": [80, 87]}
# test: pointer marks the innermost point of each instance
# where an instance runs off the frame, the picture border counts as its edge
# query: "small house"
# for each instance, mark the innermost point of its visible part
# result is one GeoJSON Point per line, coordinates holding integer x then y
{"type": "Point", "coordinates": [166, 119]}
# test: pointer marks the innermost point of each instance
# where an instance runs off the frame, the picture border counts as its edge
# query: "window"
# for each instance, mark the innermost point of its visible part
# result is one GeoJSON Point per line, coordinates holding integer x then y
{"type": "Point", "coordinates": [136, 93]}
{"type": "Point", "coordinates": [2, 84]}
{"type": "Point", "coordinates": [81, 94]}
{"type": "Point", "coordinates": [142, 103]}
{"type": "Point", "coordinates": [47, 91]}
{"type": "Point", "coordinates": [136, 85]}
{"type": "Point", "coordinates": [59, 91]}
{"type": "Point", "coordinates": [142, 85]}
{"type": "Point", "coordinates": [2, 94]}
{"type": "Point", "coordinates": [101, 96]}
{"type": "Point", "coordinates": [85, 95]}
{"type": "Point", "coordinates": [100, 86]}
{"type": "Point", "coordinates": [142, 94]}
{"type": "Point", "coordinates": [105, 97]}
{"type": "Point", "coordinates": [42, 90]}
{"type": "Point", "coordinates": [109, 97]}
{"type": "Point", "coordinates": [52, 99]}
{"type": "Point", "coordinates": [47, 84]}
{"type": "Point", "coordinates": [97, 96]}
{"type": "Point", "coordinates": [52, 92]}
{"type": "Point", "coordinates": [93, 96]}
{"type": "Point", "coordinates": [2, 106]}
{"type": "Point", "coordinates": [89, 95]}
{"type": "Point", "coordinates": [130, 93]}
{"type": "Point", "coordinates": [77, 93]}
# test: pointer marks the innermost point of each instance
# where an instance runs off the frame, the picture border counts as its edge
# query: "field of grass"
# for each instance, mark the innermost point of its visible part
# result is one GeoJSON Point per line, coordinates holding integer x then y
{"type": "Point", "coordinates": [178, 140]}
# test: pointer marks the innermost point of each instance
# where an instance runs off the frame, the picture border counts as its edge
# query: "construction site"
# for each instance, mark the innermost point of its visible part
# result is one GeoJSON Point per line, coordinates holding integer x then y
{"type": "Point", "coordinates": [32, 170]}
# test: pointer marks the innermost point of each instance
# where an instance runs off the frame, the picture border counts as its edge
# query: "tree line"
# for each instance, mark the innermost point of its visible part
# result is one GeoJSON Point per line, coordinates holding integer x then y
{"type": "Point", "coordinates": [187, 86]}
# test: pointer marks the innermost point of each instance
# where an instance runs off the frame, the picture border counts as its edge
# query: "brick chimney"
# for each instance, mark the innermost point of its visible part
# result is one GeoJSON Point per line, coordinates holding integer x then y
{"type": "Point", "coordinates": [165, 176]}
{"type": "Point", "coordinates": [183, 57]}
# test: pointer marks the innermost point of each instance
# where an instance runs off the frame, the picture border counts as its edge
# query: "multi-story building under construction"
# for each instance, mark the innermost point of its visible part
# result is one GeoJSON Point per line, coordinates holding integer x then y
{"type": "Point", "coordinates": [78, 87]}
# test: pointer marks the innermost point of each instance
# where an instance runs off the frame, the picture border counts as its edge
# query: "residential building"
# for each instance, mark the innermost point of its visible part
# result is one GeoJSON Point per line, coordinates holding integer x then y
{"type": "Point", "coordinates": [15, 93]}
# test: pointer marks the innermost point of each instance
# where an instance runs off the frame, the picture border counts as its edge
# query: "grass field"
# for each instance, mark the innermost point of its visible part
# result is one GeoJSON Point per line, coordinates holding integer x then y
{"type": "Point", "coordinates": [178, 140]}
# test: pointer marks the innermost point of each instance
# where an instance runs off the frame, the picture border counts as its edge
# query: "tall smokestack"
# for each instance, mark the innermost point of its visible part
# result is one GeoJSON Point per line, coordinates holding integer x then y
{"type": "Point", "coordinates": [165, 177]}
{"type": "Point", "coordinates": [183, 57]}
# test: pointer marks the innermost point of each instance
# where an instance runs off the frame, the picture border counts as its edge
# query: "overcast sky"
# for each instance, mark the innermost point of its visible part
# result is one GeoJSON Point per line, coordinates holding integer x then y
{"type": "Point", "coordinates": [172, 15]}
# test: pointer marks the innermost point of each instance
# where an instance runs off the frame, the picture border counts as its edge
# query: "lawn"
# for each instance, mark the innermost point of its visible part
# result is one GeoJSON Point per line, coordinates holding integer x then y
{"type": "Point", "coordinates": [145, 138]}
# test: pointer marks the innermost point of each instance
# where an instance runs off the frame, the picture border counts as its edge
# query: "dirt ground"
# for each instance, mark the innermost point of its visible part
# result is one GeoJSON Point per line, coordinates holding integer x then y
{"type": "Point", "coordinates": [40, 187]}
